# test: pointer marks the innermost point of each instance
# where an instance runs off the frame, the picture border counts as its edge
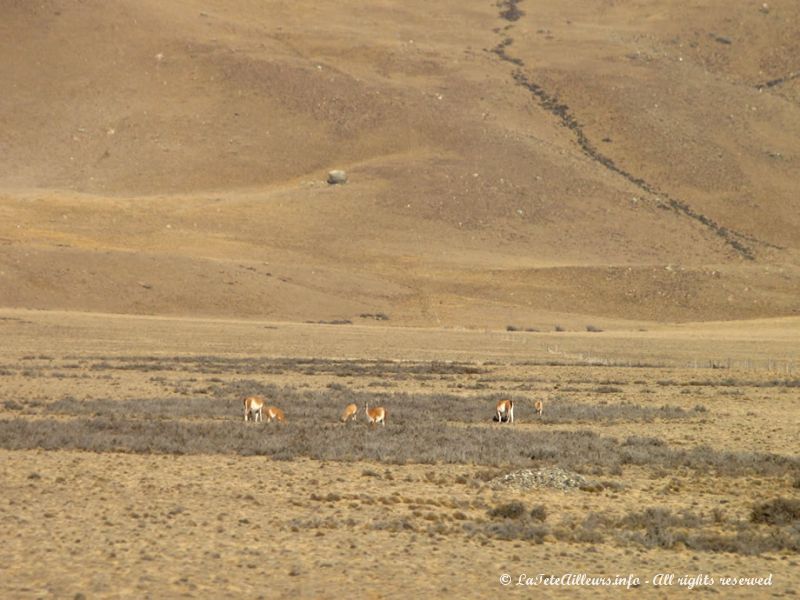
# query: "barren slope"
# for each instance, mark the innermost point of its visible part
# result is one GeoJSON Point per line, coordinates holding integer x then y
{"type": "Point", "coordinates": [508, 163]}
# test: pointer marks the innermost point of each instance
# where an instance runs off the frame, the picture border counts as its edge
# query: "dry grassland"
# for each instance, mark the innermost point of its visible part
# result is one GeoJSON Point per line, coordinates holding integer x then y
{"type": "Point", "coordinates": [130, 472]}
{"type": "Point", "coordinates": [590, 203]}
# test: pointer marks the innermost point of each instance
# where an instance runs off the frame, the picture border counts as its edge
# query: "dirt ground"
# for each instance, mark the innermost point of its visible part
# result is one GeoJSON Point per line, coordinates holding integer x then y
{"type": "Point", "coordinates": [206, 524]}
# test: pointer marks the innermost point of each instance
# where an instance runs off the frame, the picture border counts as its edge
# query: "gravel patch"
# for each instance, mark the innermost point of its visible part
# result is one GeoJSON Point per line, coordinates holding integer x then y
{"type": "Point", "coordinates": [526, 479]}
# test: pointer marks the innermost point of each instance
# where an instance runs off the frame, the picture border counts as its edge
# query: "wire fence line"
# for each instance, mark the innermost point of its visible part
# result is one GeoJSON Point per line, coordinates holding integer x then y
{"type": "Point", "coordinates": [779, 366]}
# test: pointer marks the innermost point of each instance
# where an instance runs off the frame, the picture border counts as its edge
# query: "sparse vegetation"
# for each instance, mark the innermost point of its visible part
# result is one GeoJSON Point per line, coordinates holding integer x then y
{"type": "Point", "coordinates": [377, 316]}
{"type": "Point", "coordinates": [780, 511]}
{"type": "Point", "coordinates": [525, 329]}
{"type": "Point", "coordinates": [539, 513]}
{"type": "Point", "coordinates": [205, 419]}
{"type": "Point", "coordinates": [607, 389]}
{"type": "Point", "coordinates": [424, 442]}
{"type": "Point", "coordinates": [199, 414]}
{"type": "Point", "coordinates": [511, 521]}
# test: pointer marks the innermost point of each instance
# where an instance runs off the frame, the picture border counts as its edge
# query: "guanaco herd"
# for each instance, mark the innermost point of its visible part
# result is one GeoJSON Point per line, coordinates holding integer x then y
{"type": "Point", "coordinates": [254, 409]}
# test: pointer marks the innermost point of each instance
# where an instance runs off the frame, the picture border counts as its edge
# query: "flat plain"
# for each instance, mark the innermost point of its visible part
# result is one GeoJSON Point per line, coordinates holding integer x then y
{"type": "Point", "coordinates": [128, 471]}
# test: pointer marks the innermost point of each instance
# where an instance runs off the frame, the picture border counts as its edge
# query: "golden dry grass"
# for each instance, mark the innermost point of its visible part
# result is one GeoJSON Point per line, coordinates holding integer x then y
{"type": "Point", "coordinates": [205, 521]}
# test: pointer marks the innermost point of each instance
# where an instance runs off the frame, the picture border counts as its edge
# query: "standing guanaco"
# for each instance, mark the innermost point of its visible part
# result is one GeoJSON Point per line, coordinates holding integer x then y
{"type": "Point", "coordinates": [505, 408]}
{"type": "Point", "coordinates": [253, 406]}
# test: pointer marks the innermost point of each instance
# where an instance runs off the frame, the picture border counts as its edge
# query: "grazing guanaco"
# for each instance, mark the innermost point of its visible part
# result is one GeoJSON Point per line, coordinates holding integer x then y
{"type": "Point", "coordinates": [375, 415]}
{"type": "Point", "coordinates": [505, 408]}
{"type": "Point", "coordinates": [538, 406]}
{"type": "Point", "coordinates": [253, 405]}
{"type": "Point", "coordinates": [350, 413]}
{"type": "Point", "coordinates": [275, 414]}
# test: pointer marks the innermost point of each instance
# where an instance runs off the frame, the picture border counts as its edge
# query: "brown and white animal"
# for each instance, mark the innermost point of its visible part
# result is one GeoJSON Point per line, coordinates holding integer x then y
{"type": "Point", "coordinates": [538, 406]}
{"type": "Point", "coordinates": [253, 406]}
{"type": "Point", "coordinates": [275, 414]}
{"type": "Point", "coordinates": [350, 413]}
{"type": "Point", "coordinates": [505, 408]}
{"type": "Point", "coordinates": [375, 415]}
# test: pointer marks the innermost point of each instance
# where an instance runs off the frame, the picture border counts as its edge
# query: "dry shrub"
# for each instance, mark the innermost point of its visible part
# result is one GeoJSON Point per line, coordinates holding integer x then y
{"type": "Point", "coordinates": [511, 510]}
{"type": "Point", "coordinates": [402, 441]}
{"type": "Point", "coordinates": [780, 511]}
{"type": "Point", "coordinates": [512, 521]}
{"type": "Point", "coordinates": [539, 513]}
{"type": "Point", "coordinates": [420, 428]}
{"type": "Point", "coordinates": [661, 528]}
{"type": "Point", "coordinates": [514, 530]}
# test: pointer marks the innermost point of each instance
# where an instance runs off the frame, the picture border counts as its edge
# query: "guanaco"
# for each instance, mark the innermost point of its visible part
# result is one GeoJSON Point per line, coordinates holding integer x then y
{"type": "Point", "coordinates": [275, 414]}
{"type": "Point", "coordinates": [253, 406]}
{"type": "Point", "coordinates": [375, 415]}
{"type": "Point", "coordinates": [349, 414]}
{"type": "Point", "coordinates": [505, 408]}
{"type": "Point", "coordinates": [538, 406]}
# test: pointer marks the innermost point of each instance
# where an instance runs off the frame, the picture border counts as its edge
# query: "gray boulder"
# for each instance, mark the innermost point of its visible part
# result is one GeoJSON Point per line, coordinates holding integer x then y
{"type": "Point", "coordinates": [337, 176]}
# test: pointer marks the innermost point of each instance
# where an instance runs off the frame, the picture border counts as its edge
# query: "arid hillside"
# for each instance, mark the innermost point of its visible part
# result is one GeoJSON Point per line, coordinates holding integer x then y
{"type": "Point", "coordinates": [510, 163]}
